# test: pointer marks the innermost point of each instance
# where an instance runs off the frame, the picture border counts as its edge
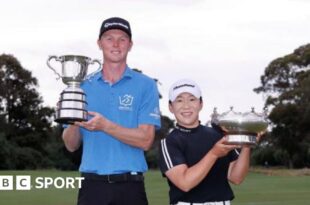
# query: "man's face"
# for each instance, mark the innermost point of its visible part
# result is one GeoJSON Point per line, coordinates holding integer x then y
{"type": "Point", "coordinates": [115, 45]}
{"type": "Point", "coordinates": [186, 108]}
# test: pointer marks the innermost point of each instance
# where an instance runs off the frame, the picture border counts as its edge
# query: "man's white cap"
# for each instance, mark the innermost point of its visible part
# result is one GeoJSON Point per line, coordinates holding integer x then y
{"type": "Point", "coordinates": [184, 86]}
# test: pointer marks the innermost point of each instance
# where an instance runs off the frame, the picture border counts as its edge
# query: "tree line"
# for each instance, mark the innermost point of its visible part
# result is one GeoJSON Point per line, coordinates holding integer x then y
{"type": "Point", "coordinates": [29, 139]}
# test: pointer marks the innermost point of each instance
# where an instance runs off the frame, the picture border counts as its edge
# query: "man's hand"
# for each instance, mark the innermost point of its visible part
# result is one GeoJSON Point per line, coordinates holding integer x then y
{"type": "Point", "coordinates": [96, 123]}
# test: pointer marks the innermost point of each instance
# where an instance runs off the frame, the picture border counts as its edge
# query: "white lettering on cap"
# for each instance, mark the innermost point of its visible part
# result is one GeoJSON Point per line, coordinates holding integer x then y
{"type": "Point", "coordinates": [183, 85]}
{"type": "Point", "coordinates": [115, 23]}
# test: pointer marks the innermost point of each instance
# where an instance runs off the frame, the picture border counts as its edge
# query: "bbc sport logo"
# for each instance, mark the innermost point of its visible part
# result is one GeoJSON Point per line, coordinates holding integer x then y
{"type": "Point", "coordinates": [24, 182]}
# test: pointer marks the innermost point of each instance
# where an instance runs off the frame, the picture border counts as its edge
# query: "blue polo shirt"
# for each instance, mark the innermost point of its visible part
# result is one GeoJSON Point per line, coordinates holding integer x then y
{"type": "Point", "coordinates": [131, 101]}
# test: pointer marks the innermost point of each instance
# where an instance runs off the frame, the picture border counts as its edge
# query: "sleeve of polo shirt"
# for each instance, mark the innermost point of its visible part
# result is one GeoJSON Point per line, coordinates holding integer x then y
{"type": "Point", "coordinates": [149, 110]}
{"type": "Point", "coordinates": [170, 154]}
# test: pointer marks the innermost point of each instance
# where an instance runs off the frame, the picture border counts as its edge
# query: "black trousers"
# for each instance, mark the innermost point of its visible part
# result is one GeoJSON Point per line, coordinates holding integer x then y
{"type": "Point", "coordinates": [98, 192]}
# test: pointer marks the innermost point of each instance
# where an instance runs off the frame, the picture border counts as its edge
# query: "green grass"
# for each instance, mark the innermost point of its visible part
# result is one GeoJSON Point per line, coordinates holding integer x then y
{"type": "Point", "coordinates": [257, 189]}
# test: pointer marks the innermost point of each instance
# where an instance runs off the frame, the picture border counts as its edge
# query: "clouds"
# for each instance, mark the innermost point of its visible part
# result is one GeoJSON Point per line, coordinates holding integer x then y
{"type": "Point", "coordinates": [223, 45]}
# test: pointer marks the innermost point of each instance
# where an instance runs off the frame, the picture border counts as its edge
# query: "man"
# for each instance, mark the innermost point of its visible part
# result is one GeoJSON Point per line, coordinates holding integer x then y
{"type": "Point", "coordinates": [195, 159]}
{"type": "Point", "coordinates": [123, 106]}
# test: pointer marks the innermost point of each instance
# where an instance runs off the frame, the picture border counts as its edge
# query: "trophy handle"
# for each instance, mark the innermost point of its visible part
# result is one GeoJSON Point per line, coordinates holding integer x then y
{"type": "Point", "coordinates": [96, 61]}
{"type": "Point", "coordinates": [49, 65]}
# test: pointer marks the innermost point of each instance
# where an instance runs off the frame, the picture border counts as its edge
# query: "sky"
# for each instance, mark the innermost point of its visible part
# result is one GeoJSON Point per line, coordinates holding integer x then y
{"type": "Point", "coordinates": [223, 45]}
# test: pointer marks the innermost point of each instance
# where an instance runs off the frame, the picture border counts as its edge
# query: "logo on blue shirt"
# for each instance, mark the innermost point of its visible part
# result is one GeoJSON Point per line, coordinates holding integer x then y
{"type": "Point", "coordinates": [156, 113]}
{"type": "Point", "coordinates": [125, 102]}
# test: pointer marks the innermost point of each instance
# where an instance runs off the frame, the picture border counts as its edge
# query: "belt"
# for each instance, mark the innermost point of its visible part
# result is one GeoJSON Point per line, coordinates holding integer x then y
{"type": "Point", "coordinates": [206, 203]}
{"type": "Point", "coordinates": [113, 178]}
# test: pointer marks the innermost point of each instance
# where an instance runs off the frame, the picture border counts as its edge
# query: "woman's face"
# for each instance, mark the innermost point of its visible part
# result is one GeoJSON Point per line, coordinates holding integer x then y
{"type": "Point", "coordinates": [186, 108]}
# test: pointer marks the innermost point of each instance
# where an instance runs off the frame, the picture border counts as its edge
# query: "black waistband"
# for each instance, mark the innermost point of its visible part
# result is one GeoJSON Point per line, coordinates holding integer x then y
{"type": "Point", "coordinates": [217, 202]}
{"type": "Point", "coordinates": [112, 178]}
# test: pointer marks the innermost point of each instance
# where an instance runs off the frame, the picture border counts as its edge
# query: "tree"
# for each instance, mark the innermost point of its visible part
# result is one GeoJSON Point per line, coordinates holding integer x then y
{"type": "Point", "coordinates": [58, 154]}
{"type": "Point", "coordinates": [25, 122]}
{"type": "Point", "coordinates": [286, 84]}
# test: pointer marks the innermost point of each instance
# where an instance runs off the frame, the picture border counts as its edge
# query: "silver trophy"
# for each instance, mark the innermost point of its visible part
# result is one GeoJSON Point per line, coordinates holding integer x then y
{"type": "Point", "coordinates": [72, 102]}
{"type": "Point", "coordinates": [240, 128]}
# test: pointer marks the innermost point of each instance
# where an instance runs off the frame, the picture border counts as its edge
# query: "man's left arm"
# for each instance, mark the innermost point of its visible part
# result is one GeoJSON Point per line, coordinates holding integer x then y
{"type": "Point", "coordinates": [142, 136]}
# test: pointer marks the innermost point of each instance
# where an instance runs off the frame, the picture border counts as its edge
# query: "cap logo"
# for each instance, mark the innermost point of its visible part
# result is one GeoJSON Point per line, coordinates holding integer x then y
{"type": "Point", "coordinates": [106, 25]}
{"type": "Point", "coordinates": [183, 85]}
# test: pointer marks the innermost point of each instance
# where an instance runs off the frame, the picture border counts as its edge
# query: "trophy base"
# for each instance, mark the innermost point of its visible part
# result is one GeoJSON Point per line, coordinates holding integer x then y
{"type": "Point", "coordinates": [241, 139]}
{"type": "Point", "coordinates": [69, 116]}
{"type": "Point", "coordinates": [68, 120]}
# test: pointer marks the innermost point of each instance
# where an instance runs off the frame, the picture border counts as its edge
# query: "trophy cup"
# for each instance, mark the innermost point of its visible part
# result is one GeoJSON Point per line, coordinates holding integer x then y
{"type": "Point", "coordinates": [241, 128]}
{"type": "Point", "coordinates": [72, 102]}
